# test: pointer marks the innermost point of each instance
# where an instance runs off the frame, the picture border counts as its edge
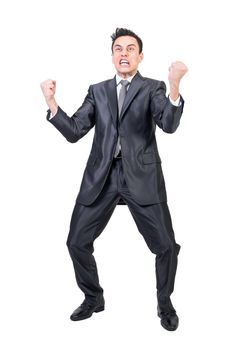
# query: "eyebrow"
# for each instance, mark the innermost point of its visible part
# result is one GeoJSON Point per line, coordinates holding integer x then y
{"type": "Point", "coordinates": [117, 45]}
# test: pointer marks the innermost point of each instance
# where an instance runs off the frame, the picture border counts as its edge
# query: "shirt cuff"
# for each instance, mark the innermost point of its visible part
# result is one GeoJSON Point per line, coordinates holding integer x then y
{"type": "Point", "coordinates": [49, 114]}
{"type": "Point", "coordinates": [176, 103]}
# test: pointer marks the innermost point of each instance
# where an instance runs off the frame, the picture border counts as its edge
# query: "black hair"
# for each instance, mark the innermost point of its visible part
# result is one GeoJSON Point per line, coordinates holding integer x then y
{"type": "Point", "coordinates": [125, 32]}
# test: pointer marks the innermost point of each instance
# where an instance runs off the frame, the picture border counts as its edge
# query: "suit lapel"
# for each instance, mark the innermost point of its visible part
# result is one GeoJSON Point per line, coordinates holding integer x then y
{"type": "Point", "coordinates": [135, 86]}
{"type": "Point", "coordinates": [112, 99]}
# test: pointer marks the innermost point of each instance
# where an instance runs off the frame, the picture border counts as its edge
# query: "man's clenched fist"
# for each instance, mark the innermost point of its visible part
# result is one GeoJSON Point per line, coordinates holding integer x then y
{"type": "Point", "coordinates": [176, 71]}
{"type": "Point", "coordinates": [48, 88]}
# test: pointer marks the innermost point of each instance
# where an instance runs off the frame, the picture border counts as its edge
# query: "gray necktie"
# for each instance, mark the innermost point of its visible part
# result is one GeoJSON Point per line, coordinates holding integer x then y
{"type": "Point", "coordinates": [122, 95]}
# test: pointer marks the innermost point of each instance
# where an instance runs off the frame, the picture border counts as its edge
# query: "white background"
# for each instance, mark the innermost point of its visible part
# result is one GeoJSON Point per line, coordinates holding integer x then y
{"type": "Point", "coordinates": [41, 172]}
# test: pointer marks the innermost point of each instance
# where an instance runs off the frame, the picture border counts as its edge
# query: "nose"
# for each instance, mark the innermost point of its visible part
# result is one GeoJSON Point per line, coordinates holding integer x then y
{"type": "Point", "coordinates": [124, 52]}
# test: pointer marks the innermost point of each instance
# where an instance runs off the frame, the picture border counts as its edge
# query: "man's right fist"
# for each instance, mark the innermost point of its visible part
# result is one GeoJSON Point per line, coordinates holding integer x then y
{"type": "Point", "coordinates": [48, 88]}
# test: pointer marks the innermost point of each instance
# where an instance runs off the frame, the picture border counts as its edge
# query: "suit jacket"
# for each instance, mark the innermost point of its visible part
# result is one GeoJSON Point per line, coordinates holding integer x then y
{"type": "Point", "coordinates": [145, 107]}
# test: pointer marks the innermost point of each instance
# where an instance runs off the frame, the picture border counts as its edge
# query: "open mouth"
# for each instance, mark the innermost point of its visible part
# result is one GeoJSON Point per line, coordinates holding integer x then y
{"type": "Point", "coordinates": [124, 63]}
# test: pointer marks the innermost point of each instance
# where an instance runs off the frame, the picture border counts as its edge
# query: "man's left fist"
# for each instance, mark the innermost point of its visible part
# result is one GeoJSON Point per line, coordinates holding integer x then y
{"type": "Point", "coordinates": [176, 71]}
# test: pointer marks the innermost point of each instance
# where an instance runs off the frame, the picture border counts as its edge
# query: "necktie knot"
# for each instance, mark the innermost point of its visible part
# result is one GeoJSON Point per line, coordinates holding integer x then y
{"type": "Point", "coordinates": [124, 83]}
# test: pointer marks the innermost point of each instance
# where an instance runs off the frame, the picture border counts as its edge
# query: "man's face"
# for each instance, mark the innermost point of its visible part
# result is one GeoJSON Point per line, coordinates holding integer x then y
{"type": "Point", "coordinates": [126, 56]}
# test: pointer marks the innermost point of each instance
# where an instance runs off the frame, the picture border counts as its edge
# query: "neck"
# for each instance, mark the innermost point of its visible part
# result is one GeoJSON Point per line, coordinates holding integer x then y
{"type": "Point", "coordinates": [126, 75]}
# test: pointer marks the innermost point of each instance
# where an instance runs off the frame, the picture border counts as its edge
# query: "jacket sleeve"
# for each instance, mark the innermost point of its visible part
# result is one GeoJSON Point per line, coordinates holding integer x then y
{"type": "Point", "coordinates": [165, 114]}
{"type": "Point", "coordinates": [75, 127]}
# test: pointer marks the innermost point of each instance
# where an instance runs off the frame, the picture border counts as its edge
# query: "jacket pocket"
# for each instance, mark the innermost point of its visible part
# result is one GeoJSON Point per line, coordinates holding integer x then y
{"type": "Point", "coordinates": [150, 157]}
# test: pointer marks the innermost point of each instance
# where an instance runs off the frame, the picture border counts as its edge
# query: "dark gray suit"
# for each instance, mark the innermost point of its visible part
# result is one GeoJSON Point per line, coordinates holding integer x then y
{"type": "Point", "coordinates": [145, 107]}
{"type": "Point", "coordinates": [136, 179]}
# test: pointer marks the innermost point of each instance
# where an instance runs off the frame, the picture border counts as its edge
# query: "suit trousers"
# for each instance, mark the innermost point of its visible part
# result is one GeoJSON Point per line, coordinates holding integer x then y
{"type": "Point", "coordinates": [153, 222]}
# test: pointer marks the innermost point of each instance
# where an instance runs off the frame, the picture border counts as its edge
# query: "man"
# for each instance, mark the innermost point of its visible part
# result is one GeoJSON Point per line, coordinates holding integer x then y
{"type": "Point", "coordinates": [124, 167]}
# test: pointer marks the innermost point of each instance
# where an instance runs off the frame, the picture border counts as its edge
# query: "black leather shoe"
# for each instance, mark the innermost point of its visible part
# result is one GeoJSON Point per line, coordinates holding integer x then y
{"type": "Point", "coordinates": [86, 309]}
{"type": "Point", "coordinates": [169, 319]}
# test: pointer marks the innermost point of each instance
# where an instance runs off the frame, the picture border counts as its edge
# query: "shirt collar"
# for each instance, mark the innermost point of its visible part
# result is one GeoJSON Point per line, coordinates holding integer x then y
{"type": "Point", "coordinates": [118, 79]}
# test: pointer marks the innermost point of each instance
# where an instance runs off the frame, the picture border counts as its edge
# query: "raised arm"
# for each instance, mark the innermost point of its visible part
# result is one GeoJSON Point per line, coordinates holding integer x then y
{"type": "Point", "coordinates": [75, 127]}
{"type": "Point", "coordinates": [164, 111]}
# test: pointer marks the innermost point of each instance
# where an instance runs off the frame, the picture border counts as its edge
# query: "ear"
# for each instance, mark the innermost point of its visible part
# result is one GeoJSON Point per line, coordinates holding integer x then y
{"type": "Point", "coordinates": [141, 56]}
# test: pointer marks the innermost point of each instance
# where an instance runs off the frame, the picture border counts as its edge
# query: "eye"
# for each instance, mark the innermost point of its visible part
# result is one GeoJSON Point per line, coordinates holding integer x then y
{"type": "Point", "coordinates": [131, 49]}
